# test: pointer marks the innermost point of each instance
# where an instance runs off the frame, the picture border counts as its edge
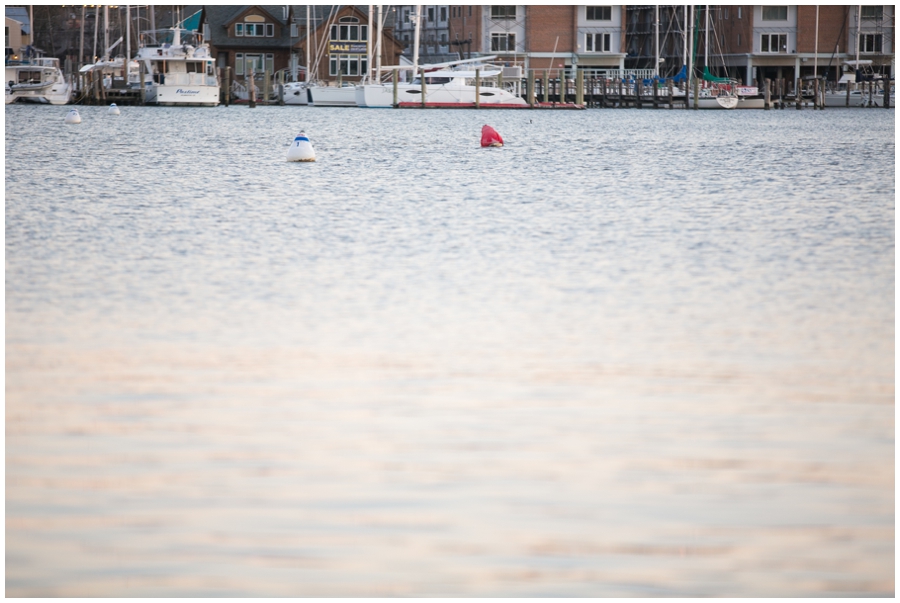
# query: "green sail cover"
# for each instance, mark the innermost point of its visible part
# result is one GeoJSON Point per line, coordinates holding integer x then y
{"type": "Point", "coordinates": [708, 77]}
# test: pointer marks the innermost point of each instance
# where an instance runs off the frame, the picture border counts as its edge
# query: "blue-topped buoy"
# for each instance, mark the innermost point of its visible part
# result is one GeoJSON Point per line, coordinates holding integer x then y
{"type": "Point", "coordinates": [73, 117]}
{"type": "Point", "coordinates": [113, 109]}
{"type": "Point", "coordinates": [301, 149]}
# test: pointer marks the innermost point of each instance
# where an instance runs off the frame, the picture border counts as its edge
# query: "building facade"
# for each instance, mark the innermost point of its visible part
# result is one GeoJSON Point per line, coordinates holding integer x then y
{"type": "Point", "coordinates": [745, 42]}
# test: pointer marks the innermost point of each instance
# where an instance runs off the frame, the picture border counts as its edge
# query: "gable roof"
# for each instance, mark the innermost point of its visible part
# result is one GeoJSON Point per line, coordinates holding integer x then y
{"type": "Point", "coordinates": [20, 14]}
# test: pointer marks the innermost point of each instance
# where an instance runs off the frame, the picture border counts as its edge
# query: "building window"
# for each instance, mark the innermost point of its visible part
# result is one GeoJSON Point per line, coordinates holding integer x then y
{"type": "Point", "coordinates": [348, 64]}
{"type": "Point", "coordinates": [725, 13]}
{"type": "Point", "coordinates": [870, 43]}
{"type": "Point", "coordinates": [406, 15]}
{"type": "Point", "coordinates": [470, 10]}
{"type": "Point", "coordinates": [501, 42]}
{"type": "Point", "coordinates": [739, 40]}
{"type": "Point", "coordinates": [239, 63]}
{"type": "Point", "coordinates": [349, 33]}
{"type": "Point", "coordinates": [599, 13]}
{"type": "Point", "coordinates": [598, 42]}
{"type": "Point", "coordinates": [872, 12]}
{"type": "Point", "coordinates": [443, 13]}
{"type": "Point", "coordinates": [431, 15]}
{"type": "Point", "coordinates": [774, 13]}
{"type": "Point", "coordinates": [503, 12]}
{"type": "Point", "coordinates": [254, 30]}
{"type": "Point", "coordinates": [739, 12]}
{"type": "Point", "coordinates": [773, 43]}
{"type": "Point", "coordinates": [444, 39]}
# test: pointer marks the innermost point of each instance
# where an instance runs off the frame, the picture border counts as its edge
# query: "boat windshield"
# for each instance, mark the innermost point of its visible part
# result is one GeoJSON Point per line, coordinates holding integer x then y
{"type": "Point", "coordinates": [433, 81]}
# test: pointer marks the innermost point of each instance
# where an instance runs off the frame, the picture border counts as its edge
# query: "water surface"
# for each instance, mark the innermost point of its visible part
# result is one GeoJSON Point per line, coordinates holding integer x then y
{"type": "Point", "coordinates": [631, 353]}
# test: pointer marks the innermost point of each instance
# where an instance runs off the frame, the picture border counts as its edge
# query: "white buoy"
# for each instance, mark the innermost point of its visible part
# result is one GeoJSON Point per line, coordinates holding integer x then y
{"type": "Point", "coordinates": [113, 109]}
{"type": "Point", "coordinates": [73, 117]}
{"type": "Point", "coordinates": [301, 149]}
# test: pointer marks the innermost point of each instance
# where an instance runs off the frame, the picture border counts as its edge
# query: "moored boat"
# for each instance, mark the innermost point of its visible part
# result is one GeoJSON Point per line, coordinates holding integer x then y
{"type": "Point", "coordinates": [179, 70]}
{"type": "Point", "coordinates": [38, 80]}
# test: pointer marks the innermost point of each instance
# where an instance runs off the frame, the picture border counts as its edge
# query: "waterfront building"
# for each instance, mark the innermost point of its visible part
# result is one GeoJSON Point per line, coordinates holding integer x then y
{"type": "Point", "coordinates": [780, 42]}
{"type": "Point", "coordinates": [436, 41]}
{"type": "Point", "coordinates": [271, 38]}
{"type": "Point", "coordinates": [18, 32]}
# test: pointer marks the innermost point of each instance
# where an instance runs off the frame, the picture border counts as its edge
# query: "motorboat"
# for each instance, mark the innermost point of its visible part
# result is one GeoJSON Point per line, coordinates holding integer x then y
{"type": "Point", "coordinates": [179, 69]}
{"type": "Point", "coordinates": [38, 80]}
{"type": "Point", "coordinates": [446, 87]}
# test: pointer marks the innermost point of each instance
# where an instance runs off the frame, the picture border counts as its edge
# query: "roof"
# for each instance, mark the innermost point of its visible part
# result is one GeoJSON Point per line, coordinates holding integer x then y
{"type": "Point", "coordinates": [20, 14]}
{"type": "Point", "coordinates": [219, 16]}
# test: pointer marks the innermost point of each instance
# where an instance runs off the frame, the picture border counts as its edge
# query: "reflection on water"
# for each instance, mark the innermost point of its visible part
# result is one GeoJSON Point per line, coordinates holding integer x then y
{"type": "Point", "coordinates": [631, 353]}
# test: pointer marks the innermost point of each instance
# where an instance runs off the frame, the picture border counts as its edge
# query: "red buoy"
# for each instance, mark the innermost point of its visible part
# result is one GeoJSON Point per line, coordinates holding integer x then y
{"type": "Point", "coordinates": [490, 137]}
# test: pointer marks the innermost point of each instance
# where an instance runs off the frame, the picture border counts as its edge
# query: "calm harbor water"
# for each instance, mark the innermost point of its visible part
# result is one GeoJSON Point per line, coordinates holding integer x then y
{"type": "Point", "coordinates": [631, 353]}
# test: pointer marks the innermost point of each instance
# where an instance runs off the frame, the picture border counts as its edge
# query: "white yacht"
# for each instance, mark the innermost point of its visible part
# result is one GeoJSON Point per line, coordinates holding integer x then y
{"type": "Point", "coordinates": [37, 81]}
{"type": "Point", "coordinates": [178, 71]}
{"type": "Point", "coordinates": [445, 88]}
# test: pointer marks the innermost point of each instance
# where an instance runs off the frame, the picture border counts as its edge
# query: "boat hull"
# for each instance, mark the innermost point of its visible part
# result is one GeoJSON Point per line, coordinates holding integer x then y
{"type": "Point", "coordinates": [188, 95]}
{"type": "Point", "coordinates": [328, 96]}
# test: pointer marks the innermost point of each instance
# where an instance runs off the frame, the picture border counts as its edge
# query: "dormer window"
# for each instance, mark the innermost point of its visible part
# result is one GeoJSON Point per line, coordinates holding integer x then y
{"type": "Point", "coordinates": [254, 30]}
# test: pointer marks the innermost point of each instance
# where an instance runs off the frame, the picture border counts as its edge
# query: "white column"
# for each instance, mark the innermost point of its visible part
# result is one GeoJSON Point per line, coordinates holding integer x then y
{"type": "Point", "coordinates": [369, 66]}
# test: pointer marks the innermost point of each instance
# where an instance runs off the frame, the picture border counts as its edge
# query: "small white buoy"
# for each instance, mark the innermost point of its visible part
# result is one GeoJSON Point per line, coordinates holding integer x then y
{"type": "Point", "coordinates": [113, 109]}
{"type": "Point", "coordinates": [301, 149]}
{"type": "Point", "coordinates": [73, 117]}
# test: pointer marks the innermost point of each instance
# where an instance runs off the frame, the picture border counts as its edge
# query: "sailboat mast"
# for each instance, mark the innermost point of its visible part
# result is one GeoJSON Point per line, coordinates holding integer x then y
{"type": "Point", "coordinates": [81, 45]}
{"type": "Point", "coordinates": [684, 25]}
{"type": "Point", "coordinates": [308, 40]}
{"type": "Point", "coordinates": [858, 29]}
{"type": "Point", "coordinates": [656, 8]}
{"type": "Point", "coordinates": [706, 41]}
{"type": "Point", "coordinates": [369, 65]}
{"type": "Point", "coordinates": [816, 49]}
{"type": "Point", "coordinates": [127, 37]}
{"type": "Point", "coordinates": [106, 31]}
{"type": "Point", "coordinates": [378, 47]}
{"type": "Point", "coordinates": [416, 39]}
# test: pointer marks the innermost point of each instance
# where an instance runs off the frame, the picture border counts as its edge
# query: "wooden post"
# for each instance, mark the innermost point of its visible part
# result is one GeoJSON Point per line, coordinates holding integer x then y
{"type": "Point", "coordinates": [638, 93]}
{"type": "Point", "coordinates": [655, 85]}
{"type": "Point", "coordinates": [478, 88]}
{"type": "Point", "coordinates": [562, 86]}
{"type": "Point", "coordinates": [579, 87]}
{"type": "Point", "coordinates": [251, 90]}
{"type": "Point", "coordinates": [227, 85]}
{"type": "Point", "coordinates": [603, 84]}
{"type": "Point", "coordinates": [816, 94]}
{"type": "Point", "coordinates": [848, 94]}
{"type": "Point", "coordinates": [768, 93]}
{"type": "Point", "coordinates": [266, 87]}
{"type": "Point", "coordinates": [531, 88]}
{"type": "Point", "coordinates": [546, 86]}
{"type": "Point", "coordinates": [621, 102]}
{"type": "Point", "coordinates": [422, 84]}
{"type": "Point", "coordinates": [281, 88]}
{"type": "Point", "coordinates": [671, 86]}
{"type": "Point", "coordinates": [696, 93]}
{"type": "Point", "coordinates": [141, 77]}
{"type": "Point", "coordinates": [394, 77]}
{"type": "Point", "coordinates": [871, 94]}
{"type": "Point", "coordinates": [798, 97]}
{"type": "Point", "coordinates": [887, 94]}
